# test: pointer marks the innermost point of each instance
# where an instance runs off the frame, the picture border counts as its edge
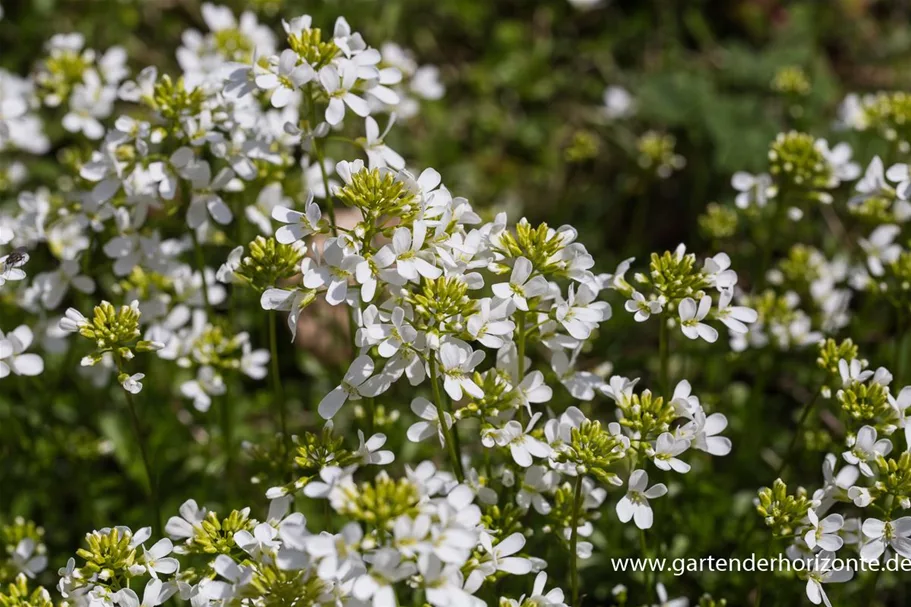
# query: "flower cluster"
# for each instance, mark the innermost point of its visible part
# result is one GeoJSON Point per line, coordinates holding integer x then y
{"type": "Point", "coordinates": [458, 442]}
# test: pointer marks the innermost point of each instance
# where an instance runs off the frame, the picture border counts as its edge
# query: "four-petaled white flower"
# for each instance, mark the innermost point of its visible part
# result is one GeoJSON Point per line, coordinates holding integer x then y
{"type": "Point", "coordinates": [520, 289]}
{"type": "Point", "coordinates": [288, 76]}
{"type": "Point", "coordinates": [880, 534]}
{"type": "Point", "coordinates": [824, 533]}
{"type": "Point", "coordinates": [351, 388]}
{"type": "Point", "coordinates": [691, 317]}
{"type": "Point", "coordinates": [641, 307]}
{"type": "Point", "coordinates": [13, 358]}
{"type": "Point", "coordinates": [634, 505]}
{"type": "Point", "coordinates": [867, 449]}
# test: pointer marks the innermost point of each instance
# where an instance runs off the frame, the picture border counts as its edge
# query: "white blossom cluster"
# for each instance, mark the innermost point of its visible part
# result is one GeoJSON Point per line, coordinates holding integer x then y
{"type": "Point", "coordinates": [855, 514]}
{"type": "Point", "coordinates": [456, 310]}
{"type": "Point", "coordinates": [468, 330]}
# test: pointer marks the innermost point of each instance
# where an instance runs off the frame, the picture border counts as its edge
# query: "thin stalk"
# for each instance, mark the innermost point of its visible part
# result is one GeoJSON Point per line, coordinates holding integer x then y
{"type": "Point", "coordinates": [447, 431]}
{"type": "Point", "coordinates": [146, 460]}
{"type": "Point", "coordinates": [201, 268]}
{"type": "Point", "coordinates": [520, 355]}
{"type": "Point", "coordinates": [371, 416]}
{"type": "Point", "coordinates": [318, 152]}
{"type": "Point", "coordinates": [663, 352]}
{"type": "Point", "coordinates": [227, 437]}
{"type": "Point", "coordinates": [520, 345]}
{"type": "Point", "coordinates": [778, 215]}
{"type": "Point", "coordinates": [279, 392]}
{"type": "Point", "coordinates": [574, 541]}
{"type": "Point", "coordinates": [795, 440]}
{"type": "Point", "coordinates": [649, 587]}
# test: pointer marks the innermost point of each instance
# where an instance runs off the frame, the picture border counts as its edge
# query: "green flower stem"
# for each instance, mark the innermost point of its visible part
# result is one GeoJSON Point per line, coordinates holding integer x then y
{"type": "Point", "coordinates": [144, 454]}
{"type": "Point", "coordinates": [520, 354]}
{"type": "Point", "coordinates": [201, 268]}
{"type": "Point", "coordinates": [664, 354]}
{"type": "Point", "coordinates": [795, 440]}
{"type": "Point", "coordinates": [779, 214]}
{"type": "Point", "coordinates": [280, 405]}
{"type": "Point", "coordinates": [318, 152]}
{"type": "Point", "coordinates": [227, 437]}
{"type": "Point", "coordinates": [371, 416]}
{"type": "Point", "coordinates": [520, 345]}
{"type": "Point", "coordinates": [574, 541]}
{"type": "Point", "coordinates": [649, 585]}
{"type": "Point", "coordinates": [447, 432]}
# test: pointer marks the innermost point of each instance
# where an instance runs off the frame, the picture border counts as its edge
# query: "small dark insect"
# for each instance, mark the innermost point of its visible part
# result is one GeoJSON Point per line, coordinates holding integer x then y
{"type": "Point", "coordinates": [16, 257]}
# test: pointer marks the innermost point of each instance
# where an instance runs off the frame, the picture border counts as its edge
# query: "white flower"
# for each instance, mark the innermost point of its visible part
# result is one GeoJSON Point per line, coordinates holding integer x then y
{"type": "Point", "coordinates": [690, 317]}
{"type": "Point", "coordinates": [132, 383]}
{"type": "Point", "coordinates": [839, 158]}
{"type": "Point", "coordinates": [269, 198]}
{"type": "Point", "coordinates": [457, 361]}
{"type": "Point", "coordinates": [206, 200]}
{"type": "Point", "coordinates": [386, 568]}
{"type": "Point", "coordinates": [155, 593]}
{"type": "Point", "coordinates": [618, 103]}
{"type": "Point", "coordinates": [490, 325]}
{"type": "Point", "coordinates": [825, 574]}
{"type": "Point", "coordinates": [430, 425]}
{"type": "Point", "coordinates": [580, 384]}
{"type": "Point", "coordinates": [752, 189]}
{"type": "Point", "coordinates": [287, 300]}
{"type": "Point", "coordinates": [861, 496]}
{"type": "Point", "coordinates": [901, 175]}
{"type": "Point", "coordinates": [208, 383]}
{"type": "Point", "coordinates": [896, 534]}
{"type": "Point", "coordinates": [350, 388]}
{"type": "Point", "coordinates": [498, 558]}
{"type": "Point", "coordinates": [156, 559]}
{"type": "Point", "coordinates": [634, 505]}
{"type": "Point", "coordinates": [11, 266]}
{"type": "Point", "coordinates": [853, 372]}
{"type": "Point", "coordinates": [880, 248]}
{"type": "Point", "coordinates": [184, 526]}
{"type": "Point", "coordinates": [519, 288]}
{"type": "Point", "coordinates": [734, 317]}
{"type": "Point", "coordinates": [824, 533]}
{"type": "Point", "coordinates": [666, 450]}
{"type": "Point", "coordinates": [533, 390]}
{"type": "Point", "coordinates": [378, 153]}
{"type": "Point", "coordinates": [289, 75]}
{"type": "Point", "coordinates": [537, 481]}
{"type": "Point", "coordinates": [522, 446]}
{"type": "Point", "coordinates": [263, 540]}
{"type": "Point", "coordinates": [641, 307]}
{"type": "Point", "coordinates": [300, 224]}
{"type": "Point", "coordinates": [26, 561]}
{"type": "Point", "coordinates": [337, 555]}
{"type": "Point", "coordinates": [369, 451]}
{"type": "Point", "coordinates": [866, 449]}
{"type": "Point", "coordinates": [253, 363]}
{"type": "Point", "coordinates": [405, 251]}
{"type": "Point", "coordinates": [580, 313]}
{"type": "Point", "coordinates": [330, 478]}
{"type": "Point", "coordinates": [703, 432]}
{"type": "Point", "coordinates": [53, 286]}
{"type": "Point", "coordinates": [719, 272]}
{"type": "Point", "coordinates": [338, 80]}
{"type": "Point", "coordinates": [334, 275]}
{"type": "Point", "coordinates": [12, 353]}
